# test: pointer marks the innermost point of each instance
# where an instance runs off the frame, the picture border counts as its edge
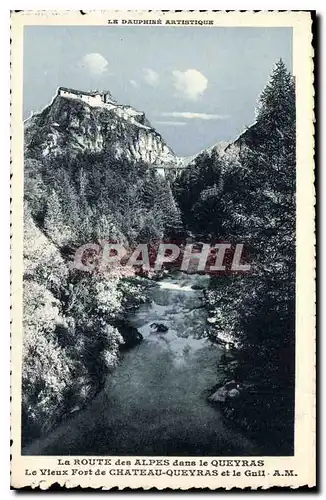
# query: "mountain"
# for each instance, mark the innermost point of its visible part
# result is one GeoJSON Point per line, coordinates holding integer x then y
{"type": "Point", "coordinates": [77, 121]}
{"type": "Point", "coordinates": [245, 193]}
{"type": "Point", "coordinates": [218, 147]}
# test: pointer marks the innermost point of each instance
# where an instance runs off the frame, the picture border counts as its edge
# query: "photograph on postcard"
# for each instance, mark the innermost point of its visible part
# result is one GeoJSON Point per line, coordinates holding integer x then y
{"type": "Point", "coordinates": [159, 243]}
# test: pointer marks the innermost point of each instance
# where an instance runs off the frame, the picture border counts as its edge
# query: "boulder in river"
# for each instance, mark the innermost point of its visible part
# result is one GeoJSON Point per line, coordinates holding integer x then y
{"type": "Point", "coordinates": [197, 287]}
{"type": "Point", "coordinates": [130, 334]}
{"type": "Point", "coordinates": [233, 393]}
{"type": "Point", "coordinates": [159, 327]}
{"type": "Point", "coordinates": [229, 390]}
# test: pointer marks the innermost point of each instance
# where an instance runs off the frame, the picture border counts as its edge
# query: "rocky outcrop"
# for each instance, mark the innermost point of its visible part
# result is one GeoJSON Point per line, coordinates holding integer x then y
{"type": "Point", "coordinates": [229, 390]}
{"type": "Point", "coordinates": [77, 126]}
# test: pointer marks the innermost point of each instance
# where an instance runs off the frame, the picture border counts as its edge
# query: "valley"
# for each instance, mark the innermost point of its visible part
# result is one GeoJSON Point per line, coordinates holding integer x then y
{"type": "Point", "coordinates": [158, 363]}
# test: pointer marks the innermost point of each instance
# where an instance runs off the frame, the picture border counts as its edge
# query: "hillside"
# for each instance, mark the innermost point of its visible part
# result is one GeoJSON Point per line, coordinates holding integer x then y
{"type": "Point", "coordinates": [245, 193]}
{"type": "Point", "coordinates": [96, 170]}
{"type": "Point", "coordinates": [70, 126]}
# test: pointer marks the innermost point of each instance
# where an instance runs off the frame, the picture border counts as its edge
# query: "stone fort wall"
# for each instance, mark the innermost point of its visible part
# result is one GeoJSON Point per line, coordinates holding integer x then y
{"type": "Point", "coordinates": [95, 99]}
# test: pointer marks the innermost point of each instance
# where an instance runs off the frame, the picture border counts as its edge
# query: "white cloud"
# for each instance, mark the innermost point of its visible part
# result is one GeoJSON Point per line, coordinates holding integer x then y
{"type": "Point", "coordinates": [188, 115]}
{"type": "Point", "coordinates": [151, 77]}
{"type": "Point", "coordinates": [134, 84]}
{"type": "Point", "coordinates": [170, 123]}
{"type": "Point", "coordinates": [191, 83]}
{"type": "Point", "coordinates": [95, 63]}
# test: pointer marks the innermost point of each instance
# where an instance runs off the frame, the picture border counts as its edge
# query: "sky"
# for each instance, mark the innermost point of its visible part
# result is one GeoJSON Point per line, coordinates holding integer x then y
{"type": "Point", "coordinates": [198, 86]}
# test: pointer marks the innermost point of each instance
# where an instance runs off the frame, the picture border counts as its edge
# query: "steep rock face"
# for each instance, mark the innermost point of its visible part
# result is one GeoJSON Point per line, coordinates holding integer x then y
{"type": "Point", "coordinates": [74, 126]}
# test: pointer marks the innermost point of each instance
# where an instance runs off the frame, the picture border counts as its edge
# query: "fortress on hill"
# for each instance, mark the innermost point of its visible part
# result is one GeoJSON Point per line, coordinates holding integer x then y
{"type": "Point", "coordinates": [95, 98]}
{"type": "Point", "coordinates": [152, 141]}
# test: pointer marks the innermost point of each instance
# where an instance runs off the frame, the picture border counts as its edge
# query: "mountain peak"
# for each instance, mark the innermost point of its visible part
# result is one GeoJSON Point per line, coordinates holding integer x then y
{"type": "Point", "coordinates": [93, 97]}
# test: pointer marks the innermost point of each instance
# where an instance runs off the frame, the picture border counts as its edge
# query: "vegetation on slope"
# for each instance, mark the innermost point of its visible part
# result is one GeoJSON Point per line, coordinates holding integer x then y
{"type": "Point", "coordinates": [74, 322]}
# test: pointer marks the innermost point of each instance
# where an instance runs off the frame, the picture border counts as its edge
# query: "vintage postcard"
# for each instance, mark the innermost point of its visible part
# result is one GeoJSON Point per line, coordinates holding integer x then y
{"type": "Point", "coordinates": [163, 325]}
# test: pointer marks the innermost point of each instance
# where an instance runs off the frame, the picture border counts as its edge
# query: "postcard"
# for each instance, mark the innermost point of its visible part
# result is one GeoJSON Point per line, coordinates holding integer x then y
{"type": "Point", "coordinates": [163, 256]}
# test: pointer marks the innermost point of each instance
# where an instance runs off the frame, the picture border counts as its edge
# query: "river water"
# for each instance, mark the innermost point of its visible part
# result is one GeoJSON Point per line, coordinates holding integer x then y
{"type": "Point", "coordinates": [155, 402]}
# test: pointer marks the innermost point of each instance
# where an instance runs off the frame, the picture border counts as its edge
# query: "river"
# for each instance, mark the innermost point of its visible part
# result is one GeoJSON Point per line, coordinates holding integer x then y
{"type": "Point", "coordinates": [155, 402]}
